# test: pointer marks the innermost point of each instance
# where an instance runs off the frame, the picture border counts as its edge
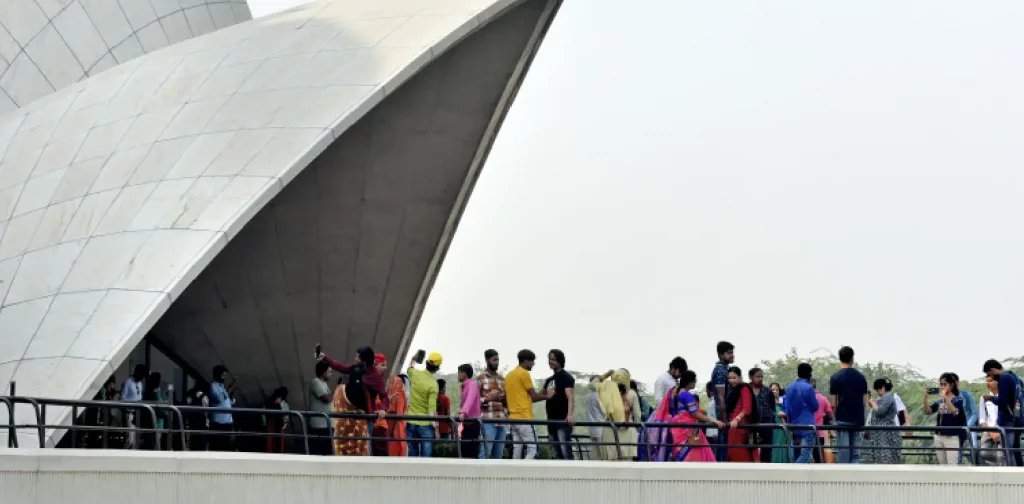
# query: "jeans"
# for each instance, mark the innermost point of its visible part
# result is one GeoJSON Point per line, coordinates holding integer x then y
{"type": "Point", "coordinates": [494, 441]}
{"type": "Point", "coordinates": [561, 437]}
{"type": "Point", "coordinates": [806, 442]}
{"type": "Point", "coordinates": [721, 450]}
{"type": "Point", "coordinates": [524, 438]}
{"type": "Point", "coordinates": [847, 444]}
{"type": "Point", "coordinates": [1011, 443]}
{"type": "Point", "coordinates": [423, 447]}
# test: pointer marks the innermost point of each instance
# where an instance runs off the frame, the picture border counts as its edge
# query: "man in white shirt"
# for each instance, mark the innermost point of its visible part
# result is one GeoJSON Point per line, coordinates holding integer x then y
{"type": "Point", "coordinates": [669, 379]}
{"type": "Point", "coordinates": [988, 413]}
{"type": "Point", "coordinates": [901, 410]}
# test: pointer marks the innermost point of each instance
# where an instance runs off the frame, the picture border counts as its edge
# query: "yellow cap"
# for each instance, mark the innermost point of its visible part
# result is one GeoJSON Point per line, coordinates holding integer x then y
{"type": "Point", "coordinates": [434, 358]}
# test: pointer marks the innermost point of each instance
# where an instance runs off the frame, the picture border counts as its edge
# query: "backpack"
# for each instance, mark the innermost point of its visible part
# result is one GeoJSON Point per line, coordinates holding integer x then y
{"type": "Point", "coordinates": [1018, 399]}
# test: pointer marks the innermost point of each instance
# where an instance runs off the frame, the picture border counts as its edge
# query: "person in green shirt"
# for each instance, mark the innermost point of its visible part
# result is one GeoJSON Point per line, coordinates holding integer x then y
{"type": "Point", "coordinates": [422, 402]}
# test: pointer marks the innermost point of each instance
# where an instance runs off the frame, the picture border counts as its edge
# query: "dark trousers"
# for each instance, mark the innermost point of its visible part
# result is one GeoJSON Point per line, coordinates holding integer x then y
{"type": "Point", "coordinates": [221, 437]}
{"type": "Point", "coordinates": [470, 439]}
{"type": "Point", "coordinates": [819, 445]}
{"type": "Point", "coordinates": [320, 442]}
{"type": "Point", "coordinates": [764, 439]}
{"type": "Point", "coordinates": [721, 450]}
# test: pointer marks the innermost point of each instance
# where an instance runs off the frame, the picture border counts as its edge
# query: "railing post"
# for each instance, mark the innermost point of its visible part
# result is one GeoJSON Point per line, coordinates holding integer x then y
{"type": "Point", "coordinates": [74, 422]}
{"type": "Point", "coordinates": [457, 437]}
{"type": "Point", "coordinates": [305, 431]}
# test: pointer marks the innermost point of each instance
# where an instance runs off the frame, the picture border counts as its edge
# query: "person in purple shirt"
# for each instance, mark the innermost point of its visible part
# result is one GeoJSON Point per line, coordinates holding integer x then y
{"type": "Point", "coordinates": [1007, 401]}
{"type": "Point", "coordinates": [800, 406]}
{"type": "Point", "coordinates": [469, 413]}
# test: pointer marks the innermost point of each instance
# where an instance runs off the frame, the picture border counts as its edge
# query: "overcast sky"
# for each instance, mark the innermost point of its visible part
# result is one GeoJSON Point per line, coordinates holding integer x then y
{"type": "Point", "coordinates": [807, 174]}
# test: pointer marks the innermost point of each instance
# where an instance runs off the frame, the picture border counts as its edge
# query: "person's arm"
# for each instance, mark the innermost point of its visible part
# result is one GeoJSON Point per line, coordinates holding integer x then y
{"type": "Point", "coordinates": [928, 408]}
{"type": "Point", "coordinates": [953, 409]}
{"type": "Point", "coordinates": [812, 400]}
{"type": "Point", "coordinates": [432, 401]}
{"type": "Point", "coordinates": [982, 413]}
{"type": "Point", "coordinates": [572, 403]}
{"type": "Point", "coordinates": [536, 396]}
{"type": "Point", "coordinates": [324, 394]}
{"type": "Point", "coordinates": [335, 365]}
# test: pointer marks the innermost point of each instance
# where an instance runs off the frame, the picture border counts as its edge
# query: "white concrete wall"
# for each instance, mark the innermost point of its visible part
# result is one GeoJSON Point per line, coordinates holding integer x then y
{"type": "Point", "coordinates": [87, 477]}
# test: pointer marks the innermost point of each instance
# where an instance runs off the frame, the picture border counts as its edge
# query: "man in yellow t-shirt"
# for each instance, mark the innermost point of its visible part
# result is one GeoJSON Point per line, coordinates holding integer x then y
{"type": "Point", "coordinates": [521, 395]}
{"type": "Point", "coordinates": [422, 402]}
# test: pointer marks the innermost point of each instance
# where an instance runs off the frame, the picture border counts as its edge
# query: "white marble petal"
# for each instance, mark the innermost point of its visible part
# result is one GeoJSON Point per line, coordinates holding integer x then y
{"type": "Point", "coordinates": [116, 191]}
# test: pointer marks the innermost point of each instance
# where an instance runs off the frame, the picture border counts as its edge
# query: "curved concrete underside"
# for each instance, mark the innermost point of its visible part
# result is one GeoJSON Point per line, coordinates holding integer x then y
{"type": "Point", "coordinates": [346, 253]}
{"type": "Point", "coordinates": [248, 193]}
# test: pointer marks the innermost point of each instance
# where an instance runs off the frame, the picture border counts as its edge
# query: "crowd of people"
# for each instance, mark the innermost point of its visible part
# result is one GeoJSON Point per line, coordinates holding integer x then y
{"type": "Point", "coordinates": [738, 422]}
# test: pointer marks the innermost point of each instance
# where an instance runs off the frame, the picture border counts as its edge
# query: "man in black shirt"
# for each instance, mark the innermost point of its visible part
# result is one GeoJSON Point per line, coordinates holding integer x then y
{"type": "Point", "coordinates": [560, 405]}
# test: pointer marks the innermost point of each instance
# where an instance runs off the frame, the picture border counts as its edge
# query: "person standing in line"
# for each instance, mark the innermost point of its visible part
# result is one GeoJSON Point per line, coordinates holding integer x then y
{"type": "Point", "coordinates": [521, 396]}
{"type": "Point", "coordinates": [712, 433]}
{"type": "Point", "coordinates": [276, 425]}
{"type": "Point", "coordinates": [950, 407]}
{"type": "Point", "coordinates": [781, 441]}
{"type": "Point", "coordinates": [131, 391]}
{"type": "Point", "coordinates": [321, 400]}
{"type": "Point", "coordinates": [764, 401]}
{"type": "Point", "coordinates": [886, 444]}
{"type": "Point", "coordinates": [221, 396]}
{"type": "Point", "coordinates": [823, 416]}
{"type": "Point", "coordinates": [988, 415]}
{"type": "Point", "coordinates": [422, 402]}
{"type": "Point", "coordinates": [849, 391]}
{"type": "Point", "coordinates": [1008, 401]}
{"type": "Point", "coordinates": [801, 404]}
{"type": "Point", "coordinates": [379, 431]}
{"type": "Point", "coordinates": [971, 412]}
{"type": "Point", "coordinates": [494, 407]}
{"type": "Point", "coordinates": [740, 410]}
{"type": "Point", "coordinates": [469, 413]}
{"type": "Point", "coordinates": [397, 405]}
{"type": "Point", "coordinates": [559, 407]}
{"type": "Point", "coordinates": [721, 388]}
{"type": "Point", "coordinates": [444, 409]}
{"type": "Point", "coordinates": [630, 436]}
{"type": "Point", "coordinates": [595, 414]}
{"type": "Point", "coordinates": [669, 379]}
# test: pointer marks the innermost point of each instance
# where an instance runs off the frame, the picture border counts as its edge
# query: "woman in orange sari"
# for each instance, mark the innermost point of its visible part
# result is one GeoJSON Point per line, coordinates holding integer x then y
{"type": "Point", "coordinates": [397, 405]}
{"type": "Point", "coordinates": [347, 399]}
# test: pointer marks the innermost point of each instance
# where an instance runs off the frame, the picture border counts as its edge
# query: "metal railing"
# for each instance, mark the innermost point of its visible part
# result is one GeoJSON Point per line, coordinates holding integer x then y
{"type": "Point", "coordinates": [182, 431]}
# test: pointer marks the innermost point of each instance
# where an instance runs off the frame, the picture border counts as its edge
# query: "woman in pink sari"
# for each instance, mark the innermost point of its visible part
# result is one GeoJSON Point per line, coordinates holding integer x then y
{"type": "Point", "coordinates": [683, 406]}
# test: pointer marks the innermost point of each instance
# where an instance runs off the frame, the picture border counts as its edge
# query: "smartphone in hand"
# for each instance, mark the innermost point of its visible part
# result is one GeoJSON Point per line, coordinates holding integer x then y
{"type": "Point", "coordinates": [316, 352]}
{"type": "Point", "coordinates": [933, 391]}
{"type": "Point", "coordinates": [420, 355]}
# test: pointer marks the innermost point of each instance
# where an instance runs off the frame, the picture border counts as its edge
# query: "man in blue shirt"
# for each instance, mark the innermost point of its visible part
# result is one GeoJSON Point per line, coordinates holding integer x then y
{"type": "Point", "coordinates": [1009, 413]}
{"type": "Point", "coordinates": [221, 397]}
{"type": "Point", "coordinates": [720, 387]}
{"type": "Point", "coordinates": [849, 391]}
{"type": "Point", "coordinates": [800, 406]}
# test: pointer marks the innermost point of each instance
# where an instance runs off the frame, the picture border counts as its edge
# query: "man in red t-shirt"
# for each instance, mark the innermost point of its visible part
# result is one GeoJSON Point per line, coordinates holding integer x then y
{"type": "Point", "coordinates": [444, 409]}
